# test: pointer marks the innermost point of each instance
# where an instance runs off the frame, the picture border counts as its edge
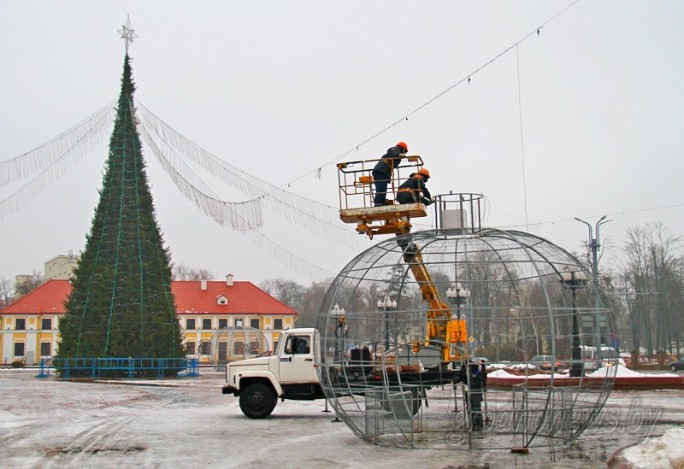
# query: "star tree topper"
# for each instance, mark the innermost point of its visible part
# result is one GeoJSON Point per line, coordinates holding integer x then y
{"type": "Point", "coordinates": [127, 33]}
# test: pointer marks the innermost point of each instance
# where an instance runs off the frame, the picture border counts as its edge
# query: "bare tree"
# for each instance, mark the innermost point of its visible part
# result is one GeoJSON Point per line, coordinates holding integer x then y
{"type": "Point", "coordinates": [182, 272]}
{"type": "Point", "coordinates": [307, 301]}
{"type": "Point", "coordinates": [312, 302]}
{"type": "Point", "coordinates": [27, 283]}
{"type": "Point", "coordinates": [493, 292]}
{"type": "Point", "coordinates": [654, 275]}
{"type": "Point", "coordinates": [6, 292]}
{"type": "Point", "coordinates": [286, 291]}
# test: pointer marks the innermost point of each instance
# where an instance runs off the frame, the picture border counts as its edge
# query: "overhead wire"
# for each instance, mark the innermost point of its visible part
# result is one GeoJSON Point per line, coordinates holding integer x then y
{"type": "Point", "coordinates": [609, 214]}
{"type": "Point", "coordinates": [522, 138]}
{"type": "Point", "coordinates": [267, 190]}
{"type": "Point", "coordinates": [466, 78]}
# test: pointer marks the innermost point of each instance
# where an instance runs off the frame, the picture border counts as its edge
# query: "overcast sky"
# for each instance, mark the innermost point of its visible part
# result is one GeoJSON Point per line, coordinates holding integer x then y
{"type": "Point", "coordinates": [581, 120]}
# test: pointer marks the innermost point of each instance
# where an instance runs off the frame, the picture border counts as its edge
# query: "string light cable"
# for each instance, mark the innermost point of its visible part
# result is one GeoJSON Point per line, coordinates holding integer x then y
{"type": "Point", "coordinates": [612, 214]}
{"type": "Point", "coordinates": [465, 79]}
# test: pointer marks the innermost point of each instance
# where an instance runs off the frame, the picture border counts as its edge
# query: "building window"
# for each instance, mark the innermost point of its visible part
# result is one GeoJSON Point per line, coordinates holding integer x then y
{"type": "Point", "coordinates": [222, 300]}
{"type": "Point", "coordinates": [223, 351]}
{"type": "Point", "coordinates": [45, 349]}
{"type": "Point", "coordinates": [19, 349]}
{"type": "Point", "coordinates": [223, 323]}
{"type": "Point", "coordinates": [189, 348]}
{"type": "Point", "coordinates": [206, 324]}
{"type": "Point", "coordinates": [237, 348]}
{"type": "Point", "coordinates": [205, 348]}
{"type": "Point", "coordinates": [46, 324]}
{"type": "Point", "coordinates": [238, 323]}
{"type": "Point", "coordinates": [277, 324]}
{"type": "Point", "coordinates": [254, 323]}
{"type": "Point", "coordinates": [20, 325]}
{"type": "Point", "coordinates": [190, 324]}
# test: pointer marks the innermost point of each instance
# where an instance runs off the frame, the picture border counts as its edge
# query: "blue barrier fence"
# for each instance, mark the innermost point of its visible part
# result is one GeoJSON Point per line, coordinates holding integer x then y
{"type": "Point", "coordinates": [118, 367]}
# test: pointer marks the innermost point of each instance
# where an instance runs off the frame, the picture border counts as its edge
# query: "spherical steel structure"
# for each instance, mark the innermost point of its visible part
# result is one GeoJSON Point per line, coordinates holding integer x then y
{"type": "Point", "coordinates": [399, 375]}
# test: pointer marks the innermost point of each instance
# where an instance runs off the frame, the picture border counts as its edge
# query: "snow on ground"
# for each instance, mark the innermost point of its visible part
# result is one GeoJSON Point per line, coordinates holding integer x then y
{"type": "Point", "coordinates": [506, 374]}
{"type": "Point", "coordinates": [663, 452]}
{"type": "Point", "coordinates": [49, 423]}
{"type": "Point", "coordinates": [501, 374]}
{"type": "Point", "coordinates": [517, 366]}
{"type": "Point", "coordinates": [623, 372]}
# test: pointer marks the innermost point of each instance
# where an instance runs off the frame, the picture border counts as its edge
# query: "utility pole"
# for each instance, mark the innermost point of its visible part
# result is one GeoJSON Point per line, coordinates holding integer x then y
{"type": "Point", "coordinates": [595, 245]}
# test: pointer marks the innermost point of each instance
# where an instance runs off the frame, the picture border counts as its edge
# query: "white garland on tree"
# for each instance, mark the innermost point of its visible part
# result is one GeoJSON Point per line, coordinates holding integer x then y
{"type": "Point", "coordinates": [317, 218]}
{"type": "Point", "coordinates": [53, 159]}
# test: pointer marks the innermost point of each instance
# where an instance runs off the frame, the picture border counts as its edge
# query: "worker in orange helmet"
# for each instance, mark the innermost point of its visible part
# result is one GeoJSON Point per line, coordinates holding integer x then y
{"type": "Point", "coordinates": [413, 190]}
{"type": "Point", "coordinates": [382, 172]}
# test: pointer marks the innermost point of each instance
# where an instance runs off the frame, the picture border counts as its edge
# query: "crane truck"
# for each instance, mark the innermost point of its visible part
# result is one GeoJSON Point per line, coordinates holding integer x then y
{"type": "Point", "coordinates": [291, 371]}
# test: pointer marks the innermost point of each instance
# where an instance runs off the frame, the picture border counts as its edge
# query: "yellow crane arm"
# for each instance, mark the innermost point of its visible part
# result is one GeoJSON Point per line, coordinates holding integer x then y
{"type": "Point", "coordinates": [451, 333]}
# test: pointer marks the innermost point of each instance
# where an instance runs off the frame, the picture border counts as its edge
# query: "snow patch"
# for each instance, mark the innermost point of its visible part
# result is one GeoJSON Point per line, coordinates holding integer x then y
{"type": "Point", "coordinates": [663, 452]}
{"type": "Point", "coordinates": [623, 372]}
{"type": "Point", "coordinates": [501, 374]}
{"type": "Point", "coordinates": [516, 366]}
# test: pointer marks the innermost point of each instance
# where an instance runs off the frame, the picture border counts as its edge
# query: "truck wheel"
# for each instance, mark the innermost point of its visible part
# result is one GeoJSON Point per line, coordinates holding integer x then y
{"type": "Point", "coordinates": [257, 401]}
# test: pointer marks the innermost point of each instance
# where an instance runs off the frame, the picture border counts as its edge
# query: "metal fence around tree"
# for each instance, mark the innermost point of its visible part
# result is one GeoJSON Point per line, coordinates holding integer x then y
{"type": "Point", "coordinates": [117, 367]}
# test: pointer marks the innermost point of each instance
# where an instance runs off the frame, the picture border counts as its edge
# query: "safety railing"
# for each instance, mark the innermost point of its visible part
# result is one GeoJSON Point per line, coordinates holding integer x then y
{"type": "Point", "coordinates": [117, 367]}
{"type": "Point", "coordinates": [355, 180]}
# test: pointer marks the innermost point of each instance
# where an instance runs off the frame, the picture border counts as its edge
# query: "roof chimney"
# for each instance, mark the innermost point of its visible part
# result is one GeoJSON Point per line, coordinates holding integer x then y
{"type": "Point", "coordinates": [203, 284]}
{"type": "Point", "coordinates": [229, 280]}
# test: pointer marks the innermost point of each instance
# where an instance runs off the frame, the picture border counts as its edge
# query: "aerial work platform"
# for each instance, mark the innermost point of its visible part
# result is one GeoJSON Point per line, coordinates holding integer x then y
{"type": "Point", "coordinates": [357, 196]}
{"type": "Point", "coordinates": [388, 219]}
{"type": "Point", "coordinates": [357, 192]}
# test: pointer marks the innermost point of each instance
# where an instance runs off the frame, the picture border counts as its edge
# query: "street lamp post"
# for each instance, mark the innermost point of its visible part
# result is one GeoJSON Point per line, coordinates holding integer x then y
{"type": "Point", "coordinates": [458, 295]}
{"type": "Point", "coordinates": [574, 280]}
{"type": "Point", "coordinates": [386, 305]}
{"type": "Point", "coordinates": [340, 329]}
{"type": "Point", "coordinates": [594, 244]}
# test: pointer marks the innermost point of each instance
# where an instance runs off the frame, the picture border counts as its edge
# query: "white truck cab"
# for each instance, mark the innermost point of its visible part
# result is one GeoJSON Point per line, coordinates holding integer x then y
{"type": "Point", "coordinates": [288, 373]}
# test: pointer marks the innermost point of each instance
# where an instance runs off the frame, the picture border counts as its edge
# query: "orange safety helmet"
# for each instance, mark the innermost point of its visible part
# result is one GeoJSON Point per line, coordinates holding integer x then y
{"type": "Point", "coordinates": [424, 172]}
{"type": "Point", "coordinates": [402, 145]}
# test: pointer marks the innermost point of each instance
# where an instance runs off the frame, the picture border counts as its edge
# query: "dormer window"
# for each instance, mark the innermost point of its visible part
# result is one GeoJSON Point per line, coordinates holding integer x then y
{"type": "Point", "coordinates": [222, 300]}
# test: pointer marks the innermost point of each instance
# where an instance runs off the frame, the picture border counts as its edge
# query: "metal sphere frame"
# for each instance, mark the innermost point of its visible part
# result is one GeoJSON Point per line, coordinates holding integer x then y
{"type": "Point", "coordinates": [516, 305]}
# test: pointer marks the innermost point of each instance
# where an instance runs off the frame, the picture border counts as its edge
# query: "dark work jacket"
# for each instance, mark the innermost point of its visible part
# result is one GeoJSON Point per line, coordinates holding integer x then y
{"type": "Point", "coordinates": [477, 379]}
{"type": "Point", "coordinates": [390, 160]}
{"type": "Point", "coordinates": [413, 190]}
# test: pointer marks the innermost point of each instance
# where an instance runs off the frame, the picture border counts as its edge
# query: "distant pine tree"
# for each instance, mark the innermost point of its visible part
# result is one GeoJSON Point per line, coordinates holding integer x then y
{"type": "Point", "coordinates": [121, 304]}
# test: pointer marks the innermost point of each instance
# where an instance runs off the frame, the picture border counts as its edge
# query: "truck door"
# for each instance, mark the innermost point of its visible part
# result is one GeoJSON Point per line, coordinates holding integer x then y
{"type": "Point", "coordinates": [297, 360]}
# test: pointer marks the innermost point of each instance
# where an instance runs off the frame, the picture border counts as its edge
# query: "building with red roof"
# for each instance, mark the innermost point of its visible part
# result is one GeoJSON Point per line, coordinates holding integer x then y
{"type": "Point", "coordinates": [206, 310]}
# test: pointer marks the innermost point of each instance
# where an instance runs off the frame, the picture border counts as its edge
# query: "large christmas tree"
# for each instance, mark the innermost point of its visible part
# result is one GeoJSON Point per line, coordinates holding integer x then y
{"type": "Point", "coordinates": [121, 304]}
